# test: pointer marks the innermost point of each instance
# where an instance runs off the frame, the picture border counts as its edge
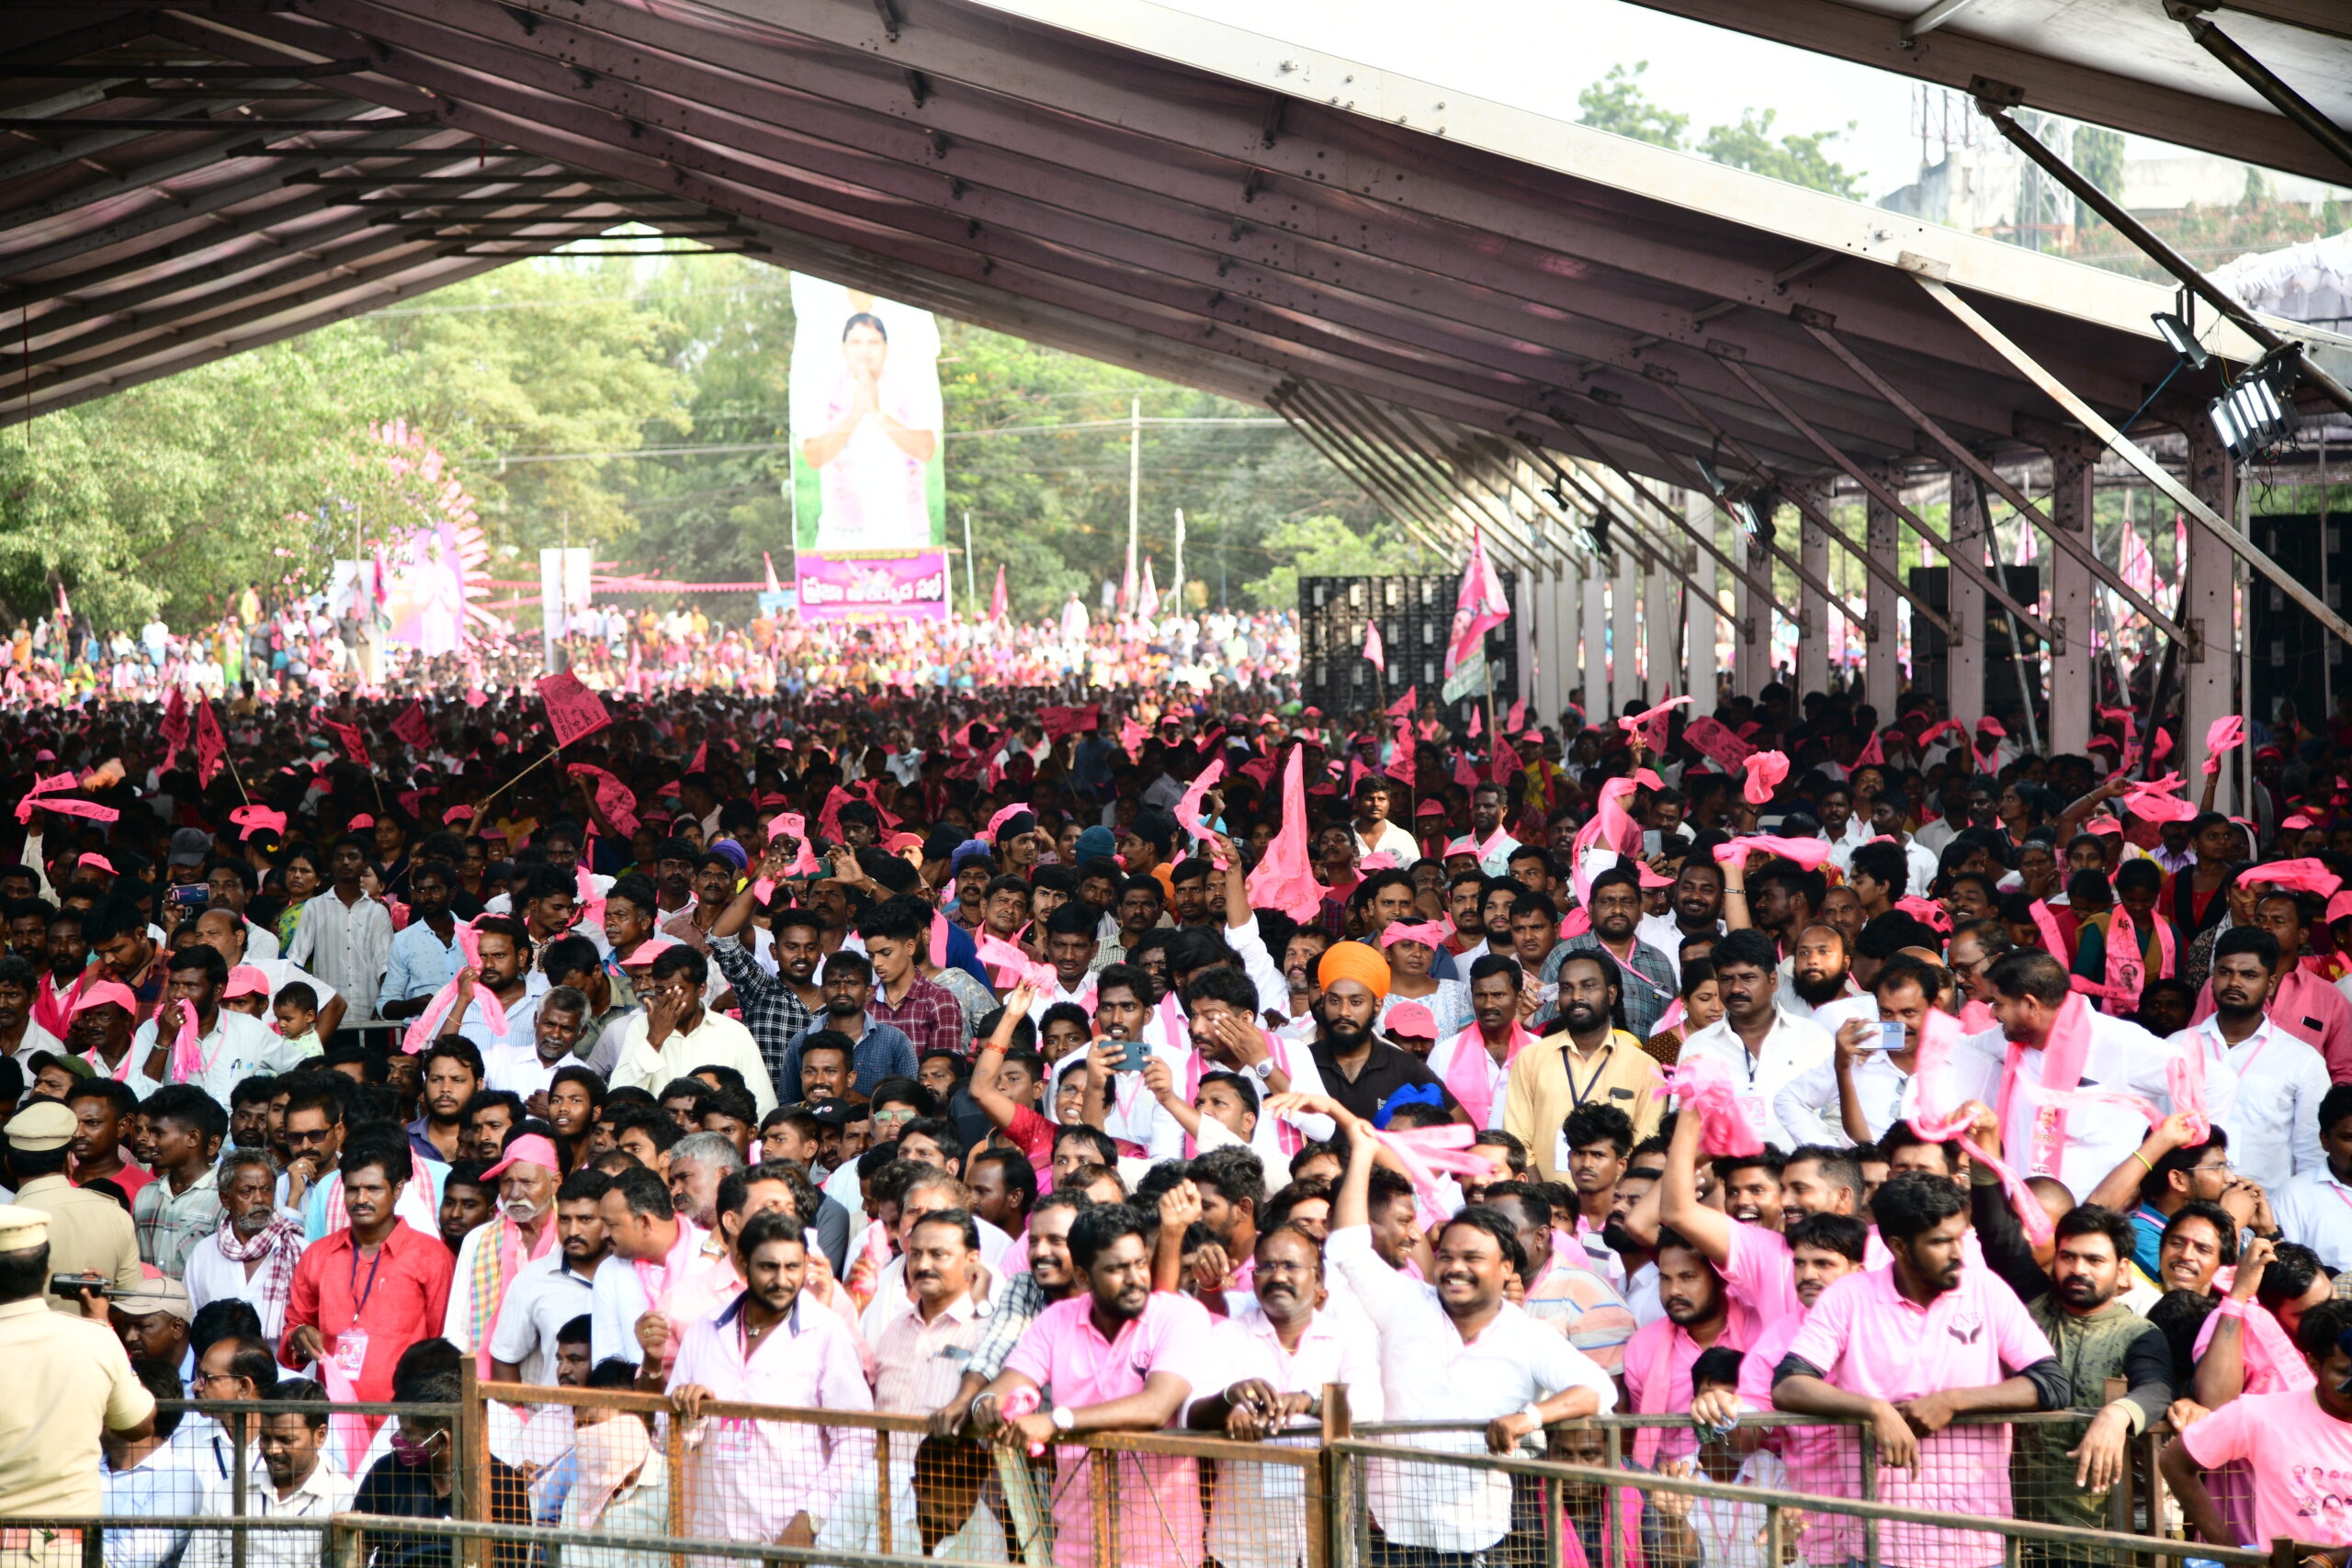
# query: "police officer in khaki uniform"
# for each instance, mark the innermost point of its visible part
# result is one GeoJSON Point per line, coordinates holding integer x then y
{"type": "Point", "coordinates": [68, 1377]}
{"type": "Point", "coordinates": [88, 1232]}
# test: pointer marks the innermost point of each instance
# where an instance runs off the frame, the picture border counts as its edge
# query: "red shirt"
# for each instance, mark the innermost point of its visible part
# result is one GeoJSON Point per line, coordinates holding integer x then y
{"type": "Point", "coordinates": [396, 1298]}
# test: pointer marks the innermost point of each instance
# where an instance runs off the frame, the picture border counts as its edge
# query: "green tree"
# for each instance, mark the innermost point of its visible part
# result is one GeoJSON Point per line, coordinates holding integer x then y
{"type": "Point", "coordinates": [1799, 159]}
{"type": "Point", "coordinates": [1617, 104]}
{"type": "Point", "coordinates": [1327, 546]}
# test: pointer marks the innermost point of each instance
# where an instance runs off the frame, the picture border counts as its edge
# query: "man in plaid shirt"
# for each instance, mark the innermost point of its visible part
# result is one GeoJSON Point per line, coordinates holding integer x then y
{"type": "Point", "coordinates": [770, 1004]}
{"type": "Point", "coordinates": [922, 1010]}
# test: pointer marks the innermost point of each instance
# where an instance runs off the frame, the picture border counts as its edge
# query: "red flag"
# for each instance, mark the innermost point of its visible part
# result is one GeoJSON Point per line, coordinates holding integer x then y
{"type": "Point", "coordinates": [354, 745]}
{"type": "Point", "coordinates": [1373, 650]}
{"type": "Point", "coordinates": [572, 709]}
{"type": "Point", "coordinates": [211, 746]}
{"type": "Point", "coordinates": [412, 727]}
{"type": "Point", "coordinates": [175, 728]}
{"type": "Point", "coordinates": [998, 603]}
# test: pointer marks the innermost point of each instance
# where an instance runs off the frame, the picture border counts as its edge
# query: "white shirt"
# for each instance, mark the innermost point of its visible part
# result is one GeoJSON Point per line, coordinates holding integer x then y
{"type": "Point", "coordinates": [518, 1068]}
{"type": "Point", "coordinates": [237, 1048]}
{"type": "Point", "coordinates": [1427, 1373]}
{"type": "Point", "coordinates": [351, 942]}
{"type": "Point", "coordinates": [327, 1491]}
{"type": "Point", "coordinates": [1662, 931]}
{"type": "Point", "coordinates": [1258, 1517]}
{"type": "Point", "coordinates": [2265, 1093]}
{"type": "Point", "coordinates": [2316, 1209]}
{"type": "Point", "coordinates": [1390, 839]}
{"type": "Point", "coordinates": [545, 1294]}
{"type": "Point", "coordinates": [210, 1275]}
{"type": "Point", "coordinates": [261, 944]}
{"type": "Point", "coordinates": [717, 1040]}
{"type": "Point", "coordinates": [282, 972]}
{"type": "Point", "coordinates": [1809, 1107]}
{"type": "Point", "coordinates": [1792, 1047]}
{"type": "Point", "coordinates": [37, 1039]}
{"type": "Point", "coordinates": [2098, 1137]}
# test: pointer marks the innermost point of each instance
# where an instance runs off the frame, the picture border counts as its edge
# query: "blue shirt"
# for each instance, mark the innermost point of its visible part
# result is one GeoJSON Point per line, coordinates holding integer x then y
{"type": "Point", "coordinates": [884, 1051]}
{"type": "Point", "coordinates": [420, 966]}
{"type": "Point", "coordinates": [2147, 1240]}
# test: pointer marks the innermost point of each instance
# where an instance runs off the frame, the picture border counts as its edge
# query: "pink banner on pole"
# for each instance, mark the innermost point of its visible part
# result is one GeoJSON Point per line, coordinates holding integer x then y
{"type": "Point", "coordinates": [835, 588]}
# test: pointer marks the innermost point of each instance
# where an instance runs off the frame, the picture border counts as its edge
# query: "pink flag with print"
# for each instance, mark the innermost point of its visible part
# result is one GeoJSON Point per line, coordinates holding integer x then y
{"type": "Point", "coordinates": [1478, 607]}
{"type": "Point", "coordinates": [412, 727]}
{"type": "Point", "coordinates": [572, 709]}
{"type": "Point", "coordinates": [613, 798]}
{"type": "Point", "coordinates": [1712, 740]}
{"type": "Point", "coordinates": [211, 746]}
{"type": "Point", "coordinates": [1372, 648]}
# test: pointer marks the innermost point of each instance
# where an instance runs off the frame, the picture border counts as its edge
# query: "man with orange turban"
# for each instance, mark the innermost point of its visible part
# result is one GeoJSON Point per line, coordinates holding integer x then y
{"type": "Point", "coordinates": [1361, 1070]}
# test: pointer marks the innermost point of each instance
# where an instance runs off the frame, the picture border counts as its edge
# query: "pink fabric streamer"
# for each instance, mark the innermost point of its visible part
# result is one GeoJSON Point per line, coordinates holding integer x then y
{"type": "Point", "coordinates": [1650, 880]}
{"type": "Point", "coordinates": [1611, 828]}
{"type": "Point", "coordinates": [2157, 800]}
{"type": "Point", "coordinates": [253, 818]}
{"type": "Point", "coordinates": [1010, 965]}
{"type": "Point", "coordinates": [1189, 815]}
{"type": "Point", "coordinates": [187, 1060]}
{"type": "Point", "coordinates": [1706, 1090]}
{"type": "Point", "coordinates": [1426, 1153]}
{"type": "Point", "coordinates": [2054, 936]}
{"type": "Point", "coordinates": [2223, 735]}
{"type": "Point", "coordinates": [2296, 877]}
{"type": "Point", "coordinates": [1927, 911]}
{"type": "Point", "coordinates": [939, 940]}
{"type": "Point", "coordinates": [1807, 853]}
{"type": "Point", "coordinates": [1765, 772]}
{"type": "Point", "coordinates": [1284, 879]}
{"type": "Point", "coordinates": [1932, 1120]}
{"type": "Point", "coordinates": [793, 825]}
{"type": "Point", "coordinates": [1650, 723]}
{"type": "Point", "coordinates": [1428, 933]}
{"type": "Point", "coordinates": [428, 1022]}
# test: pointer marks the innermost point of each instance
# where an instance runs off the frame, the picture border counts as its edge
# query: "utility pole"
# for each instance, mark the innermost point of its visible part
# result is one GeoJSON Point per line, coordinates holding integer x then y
{"type": "Point", "coordinates": [969, 596]}
{"type": "Point", "coordinates": [1176, 585]}
{"type": "Point", "coordinates": [1134, 488]}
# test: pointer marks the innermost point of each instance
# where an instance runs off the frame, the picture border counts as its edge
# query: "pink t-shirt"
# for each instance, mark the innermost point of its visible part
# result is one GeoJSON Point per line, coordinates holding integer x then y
{"type": "Point", "coordinates": [1869, 1339]}
{"type": "Point", "coordinates": [1659, 1359]}
{"type": "Point", "coordinates": [1811, 1453]}
{"type": "Point", "coordinates": [2301, 1458]}
{"type": "Point", "coordinates": [1761, 1270]}
{"type": "Point", "coordinates": [1159, 1496]}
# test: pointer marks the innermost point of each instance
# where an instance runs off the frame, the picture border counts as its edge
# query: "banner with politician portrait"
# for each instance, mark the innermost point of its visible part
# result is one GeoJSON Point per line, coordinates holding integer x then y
{"type": "Point", "coordinates": [869, 505]}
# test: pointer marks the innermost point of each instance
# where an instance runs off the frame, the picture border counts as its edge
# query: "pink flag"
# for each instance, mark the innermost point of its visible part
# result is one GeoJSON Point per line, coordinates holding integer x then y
{"type": "Point", "coordinates": [1515, 720]}
{"type": "Point", "coordinates": [613, 798]}
{"type": "Point", "coordinates": [1477, 724]}
{"type": "Point", "coordinates": [1872, 755]}
{"type": "Point", "coordinates": [997, 600]}
{"type": "Point", "coordinates": [1400, 760]}
{"type": "Point", "coordinates": [211, 747]}
{"type": "Point", "coordinates": [1371, 649]}
{"type": "Point", "coordinates": [1650, 724]}
{"type": "Point", "coordinates": [1188, 806]}
{"type": "Point", "coordinates": [1147, 605]}
{"type": "Point", "coordinates": [2223, 735]}
{"type": "Point", "coordinates": [412, 727]}
{"type": "Point", "coordinates": [1284, 879]}
{"type": "Point", "coordinates": [1477, 608]}
{"type": "Point", "coordinates": [1403, 706]}
{"type": "Point", "coordinates": [701, 758]}
{"type": "Point", "coordinates": [769, 561]}
{"type": "Point", "coordinates": [572, 709]}
{"type": "Point", "coordinates": [354, 744]}
{"type": "Point", "coordinates": [1714, 741]}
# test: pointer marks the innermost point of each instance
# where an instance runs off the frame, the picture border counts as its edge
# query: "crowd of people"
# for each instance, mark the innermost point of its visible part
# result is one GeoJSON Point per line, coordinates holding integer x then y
{"type": "Point", "coordinates": [308, 648]}
{"type": "Point", "coordinates": [1830, 1093]}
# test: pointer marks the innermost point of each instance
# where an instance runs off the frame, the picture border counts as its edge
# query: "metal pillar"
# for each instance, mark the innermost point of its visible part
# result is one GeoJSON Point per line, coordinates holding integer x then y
{"type": "Point", "coordinates": [1813, 631]}
{"type": "Point", "coordinates": [1703, 625]}
{"type": "Point", "coordinates": [1593, 618]}
{"type": "Point", "coordinates": [1663, 613]}
{"type": "Point", "coordinates": [1624, 632]}
{"type": "Point", "coordinates": [1752, 637]}
{"type": "Point", "coordinates": [2072, 674]}
{"type": "Point", "coordinates": [1964, 663]}
{"type": "Point", "coordinates": [1560, 641]}
{"type": "Point", "coordinates": [2209, 604]}
{"type": "Point", "coordinates": [1882, 666]}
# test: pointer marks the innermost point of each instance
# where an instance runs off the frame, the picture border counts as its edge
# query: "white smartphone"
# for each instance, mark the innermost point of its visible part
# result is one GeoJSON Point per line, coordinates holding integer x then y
{"type": "Point", "coordinates": [1889, 1036]}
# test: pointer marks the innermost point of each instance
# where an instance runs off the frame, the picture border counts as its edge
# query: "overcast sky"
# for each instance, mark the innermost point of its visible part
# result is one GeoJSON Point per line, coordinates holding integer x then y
{"type": "Point", "coordinates": [1540, 56]}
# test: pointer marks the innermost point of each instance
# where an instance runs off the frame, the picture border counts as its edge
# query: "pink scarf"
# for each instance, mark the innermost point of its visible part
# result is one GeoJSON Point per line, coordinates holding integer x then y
{"type": "Point", "coordinates": [1706, 1090]}
{"type": "Point", "coordinates": [2126, 970]}
{"type": "Point", "coordinates": [2063, 1054]}
{"type": "Point", "coordinates": [1930, 1119]}
{"type": "Point", "coordinates": [1428, 1151]}
{"type": "Point", "coordinates": [1469, 1074]}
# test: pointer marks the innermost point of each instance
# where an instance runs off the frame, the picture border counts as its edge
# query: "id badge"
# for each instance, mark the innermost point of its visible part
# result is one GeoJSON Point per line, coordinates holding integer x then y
{"type": "Point", "coordinates": [2048, 1147]}
{"type": "Point", "coordinates": [351, 1352]}
{"type": "Point", "coordinates": [1751, 1108]}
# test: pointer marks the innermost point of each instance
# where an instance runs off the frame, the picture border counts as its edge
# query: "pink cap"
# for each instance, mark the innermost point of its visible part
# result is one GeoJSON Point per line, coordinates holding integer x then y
{"type": "Point", "coordinates": [102, 993]}
{"type": "Point", "coordinates": [245, 980]}
{"type": "Point", "coordinates": [99, 862]}
{"type": "Point", "coordinates": [649, 950]}
{"type": "Point", "coordinates": [1430, 809]}
{"type": "Point", "coordinates": [1412, 1019]}
{"type": "Point", "coordinates": [2339, 905]}
{"type": "Point", "coordinates": [1462, 846]}
{"type": "Point", "coordinates": [363, 820]}
{"type": "Point", "coordinates": [531, 1148]}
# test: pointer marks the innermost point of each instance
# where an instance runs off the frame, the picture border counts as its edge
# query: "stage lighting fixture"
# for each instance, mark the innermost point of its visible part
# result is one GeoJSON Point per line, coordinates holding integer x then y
{"type": "Point", "coordinates": [2182, 338]}
{"type": "Point", "coordinates": [2258, 411]}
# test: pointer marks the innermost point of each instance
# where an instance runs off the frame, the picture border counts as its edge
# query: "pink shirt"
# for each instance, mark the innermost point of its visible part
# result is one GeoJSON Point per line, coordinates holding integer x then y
{"type": "Point", "coordinates": [1659, 1359]}
{"type": "Point", "coordinates": [1869, 1339]}
{"type": "Point", "coordinates": [2301, 1460]}
{"type": "Point", "coordinates": [1811, 1453]}
{"type": "Point", "coordinates": [1761, 1269]}
{"type": "Point", "coordinates": [1160, 1520]}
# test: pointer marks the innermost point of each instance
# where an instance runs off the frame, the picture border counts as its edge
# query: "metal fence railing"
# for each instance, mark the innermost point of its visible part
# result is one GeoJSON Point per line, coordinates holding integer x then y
{"type": "Point", "coordinates": [531, 1482]}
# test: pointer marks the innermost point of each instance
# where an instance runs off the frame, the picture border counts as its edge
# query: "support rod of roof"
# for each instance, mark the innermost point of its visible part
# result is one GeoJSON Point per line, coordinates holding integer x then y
{"type": "Point", "coordinates": [2163, 254]}
{"type": "Point", "coordinates": [1888, 498]}
{"type": "Point", "coordinates": [2263, 80]}
{"type": "Point", "coordinates": [1444, 488]}
{"type": "Point", "coordinates": [1759, 585]}
{"type": "Point", "coordinates": [1334, 451]}
{"type": "Point", "coordinates": [1569, 482]}
{"type": "Point", "coordinates": [1819, 326]}
{"type": "Point", "coordinates": [2130, 452]}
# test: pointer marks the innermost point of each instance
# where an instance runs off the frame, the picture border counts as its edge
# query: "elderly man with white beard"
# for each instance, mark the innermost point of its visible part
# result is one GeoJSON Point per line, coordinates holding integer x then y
{"type": "Point", "coordinates": [492, 1255]}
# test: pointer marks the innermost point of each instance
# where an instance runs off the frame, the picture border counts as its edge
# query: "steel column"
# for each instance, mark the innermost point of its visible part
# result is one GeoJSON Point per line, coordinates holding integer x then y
{"type": "Point", "coordinates": [1704, 627]}
{"type": "Point", "coordinates": [2209, 604]}
{"type": "Point", "coordinates": [1881, 658]}
{"type": "Point", "coordinates": [1663, 613]}
{"type": "Point", "coordinates": [1965, 657]}
{"type": "Point", "coordinates": [1624, 634]}
{"type": "Point", "coordinates": [1593, 618]}
{"type": "Point", "coordinates": [1813, 631]}
{"type": "Point", "coordinates": [2073, 599]}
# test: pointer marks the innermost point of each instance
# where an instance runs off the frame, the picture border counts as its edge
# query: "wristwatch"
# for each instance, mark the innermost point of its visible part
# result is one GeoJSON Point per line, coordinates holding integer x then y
{"type": "Point", "coordinates": [1533, 1411]}
{"type": "Point", "coordinates": [1263, 1071]}
{"type": "Point", "coordinates": [1064, 1418]}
